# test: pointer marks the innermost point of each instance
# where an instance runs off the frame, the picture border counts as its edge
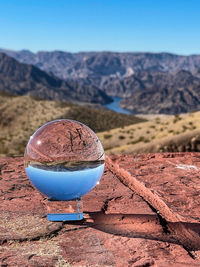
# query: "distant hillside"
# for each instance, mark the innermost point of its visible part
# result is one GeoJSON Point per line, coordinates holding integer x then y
{"type": "Point", "coordinates": [157, 92]}
{"type": "Point", "coordinates": [21, 79]}
{"type": "Point", "coordinates": [160, 134]}
{"type": "Point", "coordinates": [21, 116]}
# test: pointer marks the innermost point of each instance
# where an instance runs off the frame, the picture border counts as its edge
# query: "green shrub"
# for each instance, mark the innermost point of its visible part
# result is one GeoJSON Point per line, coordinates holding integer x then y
{"type": "Point", "coordinates": [141, 139]}
{"type": "Point", "coordinates": [121, 137]}
{"type": "Point", "coordinates": [184, 128]}
{"type": "Point", "coordinates": [132, 142]}
{"type": "Point", "coordinates": [107, 136]}
{"type": "Point", "coordinates": [176, 118]}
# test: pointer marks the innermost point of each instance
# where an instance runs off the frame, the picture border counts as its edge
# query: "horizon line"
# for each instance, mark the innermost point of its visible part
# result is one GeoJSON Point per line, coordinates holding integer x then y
{"type": "Point", "coordinates": [98, 51]}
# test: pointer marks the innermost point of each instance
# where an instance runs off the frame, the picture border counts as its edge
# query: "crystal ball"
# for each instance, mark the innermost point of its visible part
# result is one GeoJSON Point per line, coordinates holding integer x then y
{"type": "Point", "coordinates": [64, 159]}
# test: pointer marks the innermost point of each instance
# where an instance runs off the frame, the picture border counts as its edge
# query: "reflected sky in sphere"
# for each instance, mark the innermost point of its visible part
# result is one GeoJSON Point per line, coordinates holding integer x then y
{"type": "Point", "coordinates": [64, 184]}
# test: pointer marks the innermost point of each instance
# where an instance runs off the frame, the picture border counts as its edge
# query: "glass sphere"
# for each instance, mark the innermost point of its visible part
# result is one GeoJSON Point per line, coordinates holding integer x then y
{"type": "Point", "coordinates": [64, 159]}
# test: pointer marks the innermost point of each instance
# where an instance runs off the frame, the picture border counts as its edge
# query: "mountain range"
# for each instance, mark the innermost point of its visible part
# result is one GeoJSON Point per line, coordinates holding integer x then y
{"type": "Point", "coordinates": [20, 79]}
{"type": "Point", "coordinates": [147, 82]}
{"type": "Point", "coordinates": [105, 64]}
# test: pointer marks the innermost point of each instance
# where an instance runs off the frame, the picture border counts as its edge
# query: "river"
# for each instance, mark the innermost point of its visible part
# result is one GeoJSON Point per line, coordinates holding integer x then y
{"type": "Point", "coordinates": [114, 106]}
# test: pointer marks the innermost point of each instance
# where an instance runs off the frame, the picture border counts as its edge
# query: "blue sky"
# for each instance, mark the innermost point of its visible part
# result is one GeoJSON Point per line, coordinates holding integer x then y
{"type": "Point", "coordinates": [99, 25]}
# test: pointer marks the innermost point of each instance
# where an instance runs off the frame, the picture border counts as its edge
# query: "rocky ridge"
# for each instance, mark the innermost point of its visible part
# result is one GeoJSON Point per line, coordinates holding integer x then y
{"type": "Point", "coordinates": [171, 81]}
{"type": "Point", "coordinates": [92, 64]}
{"type": "Point", "coordinates": [157, 92]}
{"type": "Point", "coordinates": [20, 79]}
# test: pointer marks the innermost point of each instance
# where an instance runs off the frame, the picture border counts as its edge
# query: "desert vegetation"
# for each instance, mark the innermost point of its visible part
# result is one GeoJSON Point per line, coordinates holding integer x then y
{"type": "Point", "coordinates": [168, 133]}
{"type": "Point", "coordinates": [21, 116]}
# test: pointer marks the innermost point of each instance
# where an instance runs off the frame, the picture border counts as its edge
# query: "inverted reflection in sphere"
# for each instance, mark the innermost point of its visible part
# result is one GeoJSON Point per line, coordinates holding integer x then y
{"type": "Point", "coordinates": [64, 159]}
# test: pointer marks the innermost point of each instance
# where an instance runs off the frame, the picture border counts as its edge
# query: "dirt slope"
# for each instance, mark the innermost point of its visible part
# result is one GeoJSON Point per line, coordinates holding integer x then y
{"type": "Point", "coordinates": [21, 116]}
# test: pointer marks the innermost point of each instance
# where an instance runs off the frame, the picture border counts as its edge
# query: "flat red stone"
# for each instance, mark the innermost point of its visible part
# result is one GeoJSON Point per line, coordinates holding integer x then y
{"type": "Point", "coordinates": [124, 230]}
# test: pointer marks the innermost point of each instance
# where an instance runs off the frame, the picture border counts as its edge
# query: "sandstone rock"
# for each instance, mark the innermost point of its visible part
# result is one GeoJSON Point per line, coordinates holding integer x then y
{"type": "Point", "coordinates": [124, 229]}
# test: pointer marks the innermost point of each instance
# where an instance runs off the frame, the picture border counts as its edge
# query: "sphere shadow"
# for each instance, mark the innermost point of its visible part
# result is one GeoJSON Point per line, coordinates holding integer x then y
{"type": "Point", "coordinates": [136, 226]}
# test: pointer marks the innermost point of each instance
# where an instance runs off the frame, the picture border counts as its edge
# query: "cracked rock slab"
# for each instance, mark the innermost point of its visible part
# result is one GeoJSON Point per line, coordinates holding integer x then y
{"type": "Point", "coordinates": [124, 230]}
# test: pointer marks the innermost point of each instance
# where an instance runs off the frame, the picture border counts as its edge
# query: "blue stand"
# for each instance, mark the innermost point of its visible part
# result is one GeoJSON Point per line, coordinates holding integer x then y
{"type": "Point", "coordinates": [57, 217]}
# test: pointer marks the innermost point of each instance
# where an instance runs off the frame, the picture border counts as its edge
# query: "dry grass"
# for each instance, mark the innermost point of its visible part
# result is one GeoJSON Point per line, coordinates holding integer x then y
{"type": "Point", "coordinates": [150, 136]}
{"type": "Point", "coordinates": [21, 116]}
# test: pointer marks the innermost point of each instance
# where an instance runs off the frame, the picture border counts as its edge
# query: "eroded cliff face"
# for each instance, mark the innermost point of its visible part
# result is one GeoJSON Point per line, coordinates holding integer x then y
{"type": "Point", "coordinates": [134, 217]}
{"type": "Point", "coordinates": [100, 65]}
{"type": "Point", "coordinates": [21, 79]}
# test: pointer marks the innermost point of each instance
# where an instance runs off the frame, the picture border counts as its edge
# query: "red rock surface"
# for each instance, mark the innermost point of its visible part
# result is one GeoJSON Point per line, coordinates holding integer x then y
{"type": "Point", "coordinates": [123, 229]}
